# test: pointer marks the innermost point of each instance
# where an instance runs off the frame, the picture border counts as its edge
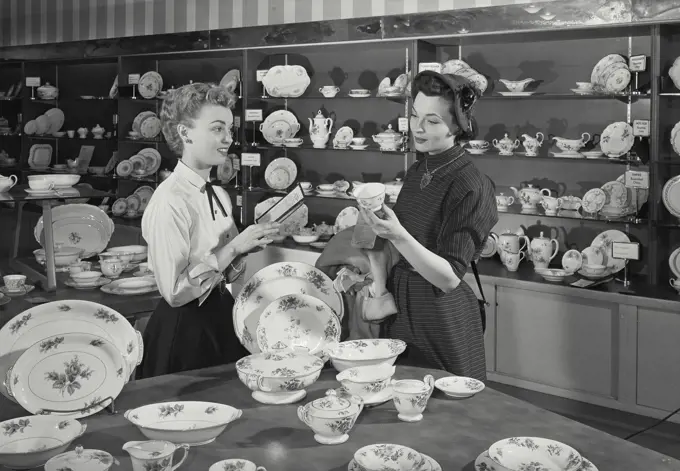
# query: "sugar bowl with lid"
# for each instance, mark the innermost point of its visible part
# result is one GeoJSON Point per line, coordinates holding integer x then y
{"type": "Point", "coordinates": [332, 416]}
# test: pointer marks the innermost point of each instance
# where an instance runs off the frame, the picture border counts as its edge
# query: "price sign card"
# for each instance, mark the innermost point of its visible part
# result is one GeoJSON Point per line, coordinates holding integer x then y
{"type": "Point", "coordinates": [239, 200]}
{"type": "Point", "coordinates": [261, 74]}
{"type": "Point", "coordinates": [626, 250]}
{"type": "Point", "coordinates": [133, 79]}
{"type": "Point", "coordinates": [637, 179]}
{"type": "Point", "coordinates": [236, 162]}
{"type": "Point", "coordinates": [641, 127]}
{"type": "Point", "coordinates": [253, 115]}
{"type": "Point", "coordinates": [285, 207]}
{"type": "Point", "coordinates": [433, 66]}
{"type": "Point", "coordinates": [237, 121]}
{"type": "Point", "coordinates": [403, 124]}
{"type": "Point", "coordinates": [32, 81]}
{"type": "Point", "coordinates": [250, 159]}
{"type": "Point", "coordinates": [637, 63]}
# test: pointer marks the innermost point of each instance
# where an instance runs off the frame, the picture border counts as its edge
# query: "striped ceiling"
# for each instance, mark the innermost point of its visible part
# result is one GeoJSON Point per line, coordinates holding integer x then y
{"type": "Point", "coordinates": [47, 21]}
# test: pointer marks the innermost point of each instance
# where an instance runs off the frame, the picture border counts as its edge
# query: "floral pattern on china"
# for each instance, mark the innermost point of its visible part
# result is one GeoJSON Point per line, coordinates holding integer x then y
{"type": "Point", "coordinates": [81, 460]}
{"type": "Point", "coordinates": [571, 146]}
{"type": "Point", "coordinates": [289, 81]}
{"type": "Point", "coordinates": [535, 453]}
{"type": "Point", "coordinates": [331, 417]}
{"type": "Point", "coordinates": [617, 139]}
{"type": "Point", "coordinates": [506, 146]}
{"type": "Point", "coordinates": [297, 321]}
{"type": "Point", "coordinates": [320, 129]}
{"type": "Point", "coordinates": [529, 195]}
{"type": "Point", "coordinates": [594, 200]}
{"type": "Point", "coordinates": [532, 144]}
{"type": "Point", "coordinates": [389, 139]}
{"type": "Point", "coordinates": [616, 194]}
{"type": "Point", "coordinates": [541, 252]}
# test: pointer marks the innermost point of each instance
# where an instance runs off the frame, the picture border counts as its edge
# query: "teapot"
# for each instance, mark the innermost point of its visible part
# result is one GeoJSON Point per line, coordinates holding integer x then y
{"type": "Point", "coordinates": [532, 144]}
{"type": "Point", "coordinates": [331, 416]}
{"type": "Point", "coordinates": [97, 131]}
{"type": "Point", "coordinates": [571, 145]}
{"type": "Point", "coordinates": [388, 140]}
{"type": "Point", "coordinates": [48, 92]}
{"type": "Point", "coordinates": [530, 196]}
{"type": "Point", "coordinates": [510, 241]}
{"type": "Point", "coordinates": [6, 183]}
{"type": "Point", "coordinates": [506, 145]}
{"type": "Point", "coordinates": [502, 202]}
{"type": "Point", "coordinates": [154, 454]}
{"type": "Point", "coordinates": [541, 252]}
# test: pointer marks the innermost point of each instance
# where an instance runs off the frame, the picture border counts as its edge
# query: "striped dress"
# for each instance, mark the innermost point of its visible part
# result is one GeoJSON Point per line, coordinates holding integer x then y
{"type": "Point", "coordinates": [451, 217]}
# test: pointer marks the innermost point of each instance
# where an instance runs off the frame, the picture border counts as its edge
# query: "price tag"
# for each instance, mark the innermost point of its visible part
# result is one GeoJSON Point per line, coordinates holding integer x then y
{"type": "Point", "coordinates": [237, 121]}
{"type": "Point", "coordinates": [239, 200]}
{"type": "Point", "coordinates": [249, 159]}
{"type": "Point", "coordinates": [236, 162]}
{"type": "Point", "coordinates": [261, 74]}
{"type": "Point", "coordinates": [637, 63]}
{"type": "Point", "coordinates": [403, 124]}
{"type": "Point", "coordinates": [626, 250]}
{"type": "Point", "coordinates": [253, 115]}
{"type": "Point", "coordinates": [434, 66]}
{"type": "Point", "coordinates": [32, 81]}
{"type": "Point", "coordinates": [637, 179]}
{"type": "Point", "coordinates": [641, 127]}
{"type": "Point", "coordinates": [284, 207]}
{"type": "Point", "coordinates": [133, 79]}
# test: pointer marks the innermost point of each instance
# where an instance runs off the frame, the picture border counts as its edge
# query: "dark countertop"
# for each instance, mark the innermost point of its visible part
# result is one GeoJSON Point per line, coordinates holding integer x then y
{"type": "Point", "coordinates": [453, 431]}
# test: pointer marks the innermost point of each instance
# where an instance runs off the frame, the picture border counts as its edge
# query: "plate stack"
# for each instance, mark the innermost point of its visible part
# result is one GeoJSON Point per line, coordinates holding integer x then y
{"type": "Point", "coordinates": [141, 165]}
{"type": "Point", "coordinates": [611, 74]}
{"type": "Point", "coordinates": [68, 358]}
{"type": "Point", "coordinates": [48, 123]}
{"type": "Point", "coordinates": [147, 125]}
{"type": "Point", "coordinates": [150, 85]}
{"type": "Point", "coordinates": [520, 453]}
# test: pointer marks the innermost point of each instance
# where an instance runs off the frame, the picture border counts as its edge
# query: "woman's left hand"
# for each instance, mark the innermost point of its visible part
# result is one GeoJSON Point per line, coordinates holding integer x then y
{"type": "Point", "coordinates": [389, 227]}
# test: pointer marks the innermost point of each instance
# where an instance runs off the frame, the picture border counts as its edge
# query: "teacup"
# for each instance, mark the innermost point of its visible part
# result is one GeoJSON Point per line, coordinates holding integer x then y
{"type": "Point", "coordinates": [243, 465]}
{"type": "Point", "coordinates": [40, 183]}
{"type": "Point", "coordinates": [145, 268]}
{"type": "Point", "coordinates": [79, 267]}
{"type": "Point", "coordinates": [306, 186]}
{"type": "Point", "coordinates": [675, 284]}
{"type": "Point", "coordinates": [502, 202]}
{"type": "Point", "coordinates": [478, 144]}
{"type": "Point", "coordinates": [410, 397]}
{"type": "Point", "coordinates": [551, 205]}
{"type": "Point", "coordinates": [133, 134]}
{"type": "Point", "coordinates": [111, 267]}
{"type": "Point", "coordinates": [366, 381]}
{"type": "Point", "coordinates": [292, 141]}
{"type": "Point", "coordinates": [371, 196]}
{"type": "Point", "coordinates": [329, 91]}
{"type": "Point", "coordinates": [511, 260]}
{"type": "Point", "coordinates": [14, 283]}
{"type": "Point", "coordinates": [70, 133]}
{"type": "Point", "coordinates": [585, 86]}
{"type": "Point", "coordinates": [86, 277]}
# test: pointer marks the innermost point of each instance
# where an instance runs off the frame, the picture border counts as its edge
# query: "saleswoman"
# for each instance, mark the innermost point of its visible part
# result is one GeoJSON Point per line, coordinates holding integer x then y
{"type": "Point", "coordinates": [194, 246]}
{"type": "Point", "coordinates": [440, 223]}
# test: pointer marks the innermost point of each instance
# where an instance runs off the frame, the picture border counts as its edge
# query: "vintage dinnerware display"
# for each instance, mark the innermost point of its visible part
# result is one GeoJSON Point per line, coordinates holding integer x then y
{"type": "Point", "coordinates": [543, 250]}
{"type": "Point", "coordinates": [155, 455]}
{"type": "Point", "coordinates": [532, 144]}
{"type": "Point", "coordinates": [459, 386]}
{"type": "Point", "coordinates": [506, 146]}
{"type": "Point", "coordinates": [388, 140]}
{"type": "Point", "coordinates": [69, 375]}
{"type": "Point", "coordinates": [529, 196]}
{"type": "Point", "coordinates": [29, 442]}
{"type": "Point", "coordinates": [331, 417]}
{"type": "Point", "coordinates": [279, 378]}
{"type": "Point", "coordinates": [368, 352]}
{"type": "Point", "coordinates": [367, 381]}
{"type": "Point", "coordinates": [521, 452]}
{"type": "Point", "coordinates": [572, 260]}
{"type": "Point", "coordinates": [81, 459]}
{"type": "Point", "coordinates": [191, 422]}
{"type": "Point", "coordinates": [286, 81]}
{"type": "Point", "coordinates": [410, 397]}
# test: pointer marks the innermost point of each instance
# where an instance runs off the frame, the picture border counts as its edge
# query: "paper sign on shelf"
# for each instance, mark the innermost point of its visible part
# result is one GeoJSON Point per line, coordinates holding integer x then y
{"type": "Point", "coordinates": [641, 127]}
{"type": "Point", "coordinates": [236, 162]}
{"type": "Point", "coordinates": [636, 179]}
{"type": "Point", "coordinates": [284, 207]}
{"type": "Point", "coordinates": [403, 124]}
{"type": "Point", "coordinates": [253, 115]}
{"type": "Point", "coordinates": [32, 81]}
{"type": "Point", "coordinates": [237, 121]}
{"type": "Point", "coordinates": [250, 159]}
{"type": "Point", "coordinates": [434, 66]}
{"type": "Point", "coordinates": [261, 74]}
{"type": "Point", "coordinates": [133, 79]}
{"type": "Point", "coordinates": [239, 200]}
{"type": "Point", "coordinates": [637, 63]}
{"type": "Point", "coordinates": [626, 250]}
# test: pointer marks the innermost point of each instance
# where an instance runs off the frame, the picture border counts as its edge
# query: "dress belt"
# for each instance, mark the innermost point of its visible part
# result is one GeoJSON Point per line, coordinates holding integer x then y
{"type": "Point", "coordinates": [403, 264]}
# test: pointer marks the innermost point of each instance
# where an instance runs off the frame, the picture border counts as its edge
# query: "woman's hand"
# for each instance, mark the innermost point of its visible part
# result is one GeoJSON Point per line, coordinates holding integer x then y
{"type": "Point", "coordinates": [254, 237]}
{"type": "Point", "coordinates": [388, 228]}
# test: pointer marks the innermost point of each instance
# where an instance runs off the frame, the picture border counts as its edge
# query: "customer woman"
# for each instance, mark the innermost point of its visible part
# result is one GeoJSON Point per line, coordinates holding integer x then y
{"type": "Point", "coordinates": [194, 246]}
{"type": "Point", "coordinates": [440, 223]}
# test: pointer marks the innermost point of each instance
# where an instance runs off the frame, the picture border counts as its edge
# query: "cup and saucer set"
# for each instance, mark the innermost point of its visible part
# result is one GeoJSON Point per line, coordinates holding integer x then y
{"type": "Point", "coordinates": [83, 277]}
{"type": "Point", "coordinates": [15, 285]}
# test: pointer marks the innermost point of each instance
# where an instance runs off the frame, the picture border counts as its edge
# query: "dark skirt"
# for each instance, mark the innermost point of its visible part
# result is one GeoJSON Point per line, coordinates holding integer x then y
{"type": "Point", "coordinates": [190, 337]}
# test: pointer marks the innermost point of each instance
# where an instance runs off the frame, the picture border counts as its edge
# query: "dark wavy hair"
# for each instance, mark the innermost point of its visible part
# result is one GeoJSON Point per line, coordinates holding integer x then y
{"type": "Point", "coordinates": [183, 105]}
{"type": "Point", "coordinates": [458, 91]}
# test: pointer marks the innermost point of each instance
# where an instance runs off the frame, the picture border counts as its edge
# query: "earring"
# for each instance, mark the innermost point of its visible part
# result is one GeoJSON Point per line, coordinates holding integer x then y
{"type": "Point", "coordinates": [188, 141]}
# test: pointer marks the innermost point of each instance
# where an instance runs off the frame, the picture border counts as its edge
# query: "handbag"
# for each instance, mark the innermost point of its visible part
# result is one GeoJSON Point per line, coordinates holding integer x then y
{"type": "Point", "coordinates": [482, 302]}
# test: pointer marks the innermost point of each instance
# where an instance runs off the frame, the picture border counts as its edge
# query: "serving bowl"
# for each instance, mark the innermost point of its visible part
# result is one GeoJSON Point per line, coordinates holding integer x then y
{"type": "Point", "coordinates": [279, 378]}
{"type": "Point", "coordinates": [191, 422]}
{"type": "Point", "coordinates": [554, 274]}
{"type": "Point", "coordinates": [29, 442]}
{"type": "Point", "coordinates": [459, 386]}
{"type": "Point", "coordinates": [535, 453]}
{"type": "Point", "coordinates": [138, 252]}
{"type": "Point", "coordinates": [366, 381]}
{"type": "Point", "coordinates": [305, 238]}
{"type": "Point", "coordinates": [63, 256]}
{"type": "Point", "coordinates": [86, 276]}
{"type": "Point", "coordinates": [387, 457]}
{"type": "Point", "coordinates": [353, 353]}
{"type": "Point", "coordinates": [64, 180]}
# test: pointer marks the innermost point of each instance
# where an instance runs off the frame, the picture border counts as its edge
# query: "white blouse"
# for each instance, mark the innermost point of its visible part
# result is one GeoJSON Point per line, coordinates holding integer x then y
{"type": "Point", "coordinates": [183, 237]}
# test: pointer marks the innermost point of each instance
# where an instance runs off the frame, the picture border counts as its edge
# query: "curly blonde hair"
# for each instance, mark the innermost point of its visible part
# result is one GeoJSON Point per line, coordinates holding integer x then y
{"type": "Point", "coordinates": [184, 104]}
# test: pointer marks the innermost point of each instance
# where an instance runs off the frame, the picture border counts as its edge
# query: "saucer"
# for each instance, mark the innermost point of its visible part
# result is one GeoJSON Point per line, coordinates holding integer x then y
{"type": "Point", "coordinates": [592, 154]}
{"type": "Point", "coordinates": [100, 282]}
{"type": "Point", "coordinates": [567, 155]}
{"type": "Point", "coordinates": [27, 289]}
{"type": "Point", "coordinates": [477, 151]}
{"type": "Point", "coordinates": [434, 466]}
{"type": "Point", "coordinates": [459, 386]}
{"type": "Point", "coordinates": [361, 95]}
{"type": "Point", "coordinates": [516, 93]}
{"type": "Point", "coordinates": [319, 245]}
{"type": "Point", "coordinates": [292, 145]}
{"type": "Point", "coordinates": [356, 147]}
{"type": "Point", "coordinates": [38, 192]}
{"type": "Point", "coordinates": [379, 398]}
{"type": "Point", "coordinates": [579, 91]}
{"type": "Point", "coordinates": [4, 299]}
{"type": "Point", "coordinates": [143, 273]}
{"type": "Point", "coordinates": [485, 463]}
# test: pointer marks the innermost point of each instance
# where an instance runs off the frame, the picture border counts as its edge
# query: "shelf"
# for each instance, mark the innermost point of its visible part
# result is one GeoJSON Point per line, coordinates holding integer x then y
{"type": "Point", "coordinates": [7, 136]}
{"type": "Point", "coordinates": [522, 156]}
{"type": "Point", "coordinates": [66, 138]}
{"type": "Point", "coordinates": [571, 96]}
{"type": "Point", "coordinates": [142, 141]}
{"type": "Point", "coordinates": [515, 210]}
{"type": "Point", "coordinates": [140, 100]}
{"type": "Point", "coordinates": [371, 149]}
{"type": "Point", "coordinates": [14, 98]}
{"type": "Point", "coordinates": [398, 99]}
{"type": "Point", "coordinates": [43, 102]}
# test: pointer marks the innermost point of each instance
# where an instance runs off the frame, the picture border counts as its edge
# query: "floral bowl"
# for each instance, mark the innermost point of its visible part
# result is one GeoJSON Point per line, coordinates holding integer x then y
{"type": "Point", "coordinates": [279, 377]}
{"type": "Point", "coordinates": [366, 381]}
{"type": "Point", "coordinates": [593, 270]}
{"type": "Point", "coordinates": [63, 256]}
{"type": "Point", "coordinates": [537, 453]}
{"type": "Point", "coordinates": [190, 422]}
{"type": "Point", "coordinates": [365, 352]}
{"type": "Point", "coordinates": [459, 386]}
{"type": "Point", "coordinates": [29, 442]}
{"type": "Point", "coordinates": [387, 457]}
{"type": "Point", "coordinates": [554, 274]}
{"type": "Point", "coordinates": [138, 252]}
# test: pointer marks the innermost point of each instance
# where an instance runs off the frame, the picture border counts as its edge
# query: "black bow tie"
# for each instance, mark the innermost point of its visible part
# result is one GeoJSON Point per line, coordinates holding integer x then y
{"type": "Point", "coordinates": [210, 191]}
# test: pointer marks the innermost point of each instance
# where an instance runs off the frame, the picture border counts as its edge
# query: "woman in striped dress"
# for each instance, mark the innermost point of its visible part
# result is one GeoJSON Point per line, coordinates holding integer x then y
{"type": "Point", "coordinates": [439, 224]}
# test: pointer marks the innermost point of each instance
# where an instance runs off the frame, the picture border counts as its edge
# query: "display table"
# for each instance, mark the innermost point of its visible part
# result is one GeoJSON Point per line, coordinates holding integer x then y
{"type": "Point", "coordinates": [453, 431]}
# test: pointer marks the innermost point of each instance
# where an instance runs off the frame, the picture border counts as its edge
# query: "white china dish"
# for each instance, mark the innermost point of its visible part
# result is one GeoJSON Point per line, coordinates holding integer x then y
{"type": "Point", "coordinates": [299, 218]}
{"type": "Point", "coordinates": [286, 81]}
{"type": "Point", "coordinates": [279, 378]}
{"type": "Point", "coordinates": [593, 270]}
{"type": "Point", "coordinates": [554, 274]}
{"type": "Point", "coordinates": [29, 442]}
{"type": "Point", "coordinates": [388, 457]}
{"type": "Point", "coordinates": [331, 417]}
{"type": "Point", "coordinates": [370, 196]}
{"type": "Point", "coordinates": [81, 460]}
{"type": "Point", "coordinates": [485, 463]}
{"type": "Point", "coordinates": [63, 256]}
{"type": "Point", "coordinates": [366, 381]}
{"type": "Point", "coordinates": [429, 464]}
{"type": "Point", "coordinates": [459, 386]}
{"type": "Point", "coordinates": [236, 464]}
{"type": "Point", "coordinates": [86, 276]}
{"type": "Point", "coordinates": [366, 352]}
{"type": "Point", "coordinates": [542, 453]}
{"type": "Point", "coordinates": [130, 287]}
{"type": "Point", "coordinates": [191, 422]}
{"type": "Point", "coordinates": [305, 239]}
{"type": "Point", "coordinates": [139, 252]}
{"type": "Point", "coordinates": [410, 397]}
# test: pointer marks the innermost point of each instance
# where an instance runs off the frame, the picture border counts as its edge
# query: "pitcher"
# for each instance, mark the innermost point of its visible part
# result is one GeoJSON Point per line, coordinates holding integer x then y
{"type": "Point", "coordinates": [542, 251]}
{"type": "Point", "coordinates": [320, 129]}
{"type": "Point", "coordinates": [154, 455]}
{"type": "Point", "coordinates": [510, 241]}
{"type": "Point", "coordinates": [6, 183]}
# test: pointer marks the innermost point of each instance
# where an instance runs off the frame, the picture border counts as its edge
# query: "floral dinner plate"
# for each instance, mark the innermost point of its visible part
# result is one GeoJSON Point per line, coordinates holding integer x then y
{"type": "Point", "coordinates": [74, 375]}
{"type": "Point", "coordinates": [605, 241]}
